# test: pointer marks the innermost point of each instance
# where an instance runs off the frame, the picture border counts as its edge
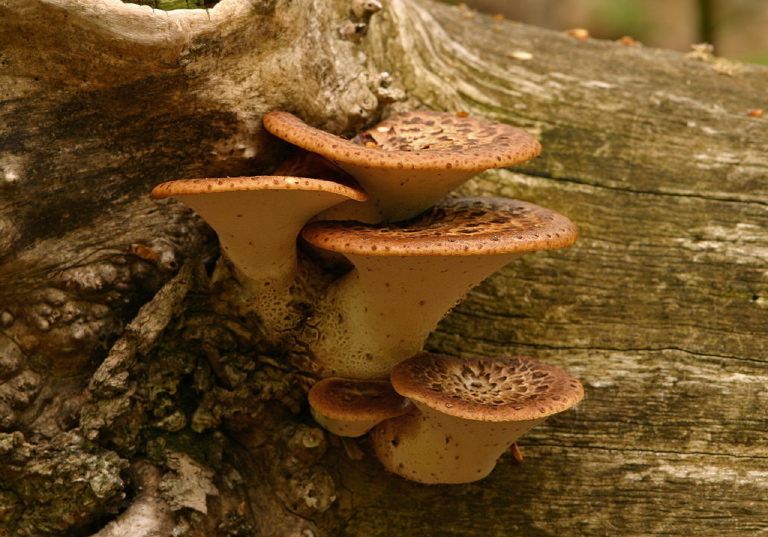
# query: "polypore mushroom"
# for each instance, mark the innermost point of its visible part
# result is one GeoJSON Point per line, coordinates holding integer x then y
{"type": "Point", "coordinates": [470, 410]}
{"type": "Point", "coordinates": [257, 220]}
{"type": "Point", "coordinates": [407, 276]}
{"type": "Point", "coordinates": [352, 407]}
{"type": "Point", "coordinates": [409, 161]}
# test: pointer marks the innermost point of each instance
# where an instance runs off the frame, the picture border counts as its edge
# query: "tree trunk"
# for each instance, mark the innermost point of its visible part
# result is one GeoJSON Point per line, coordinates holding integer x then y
{"type": "Point", "coordinates": [134, 400]}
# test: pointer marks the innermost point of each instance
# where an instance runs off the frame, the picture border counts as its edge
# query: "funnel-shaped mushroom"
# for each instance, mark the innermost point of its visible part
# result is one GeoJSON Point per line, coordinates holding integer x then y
{"type": "Point", "coordinates": [258, 220]}
{"type": "Point", "coordinates": [407, 276]}
{"type": "Point", "coordinates": [409, 161]}
{"type": "Point", "coordinates": [352, 407]}
{"type": "Point", "coordinates": [470, 410]}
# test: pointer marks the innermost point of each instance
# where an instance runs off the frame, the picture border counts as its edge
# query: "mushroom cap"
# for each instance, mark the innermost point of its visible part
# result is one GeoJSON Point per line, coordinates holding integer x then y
{"type": "Point", "coordinates": [491, 389]}
{"type": "Point", "coordinates": [417, 140]}
{"type": "Point", "coordinates": [357, 400]}
{"type": "Point", "coordinates": [455, 227]}
{"type": "Point", "coordinates": [187, 187]}
{"type": "Point", "coordinates": [258, 221]}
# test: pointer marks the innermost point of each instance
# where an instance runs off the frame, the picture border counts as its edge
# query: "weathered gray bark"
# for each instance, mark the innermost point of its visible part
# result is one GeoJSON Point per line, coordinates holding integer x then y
{"type": "Point", "coordinates": [181, 415]}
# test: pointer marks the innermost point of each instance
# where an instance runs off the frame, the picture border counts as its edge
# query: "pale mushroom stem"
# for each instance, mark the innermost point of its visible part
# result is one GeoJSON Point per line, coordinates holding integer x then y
{"type": "Point", "coordinates": [395, 195]}
{"type": "Point", "coordinates": [257, 231]}
{"type": "Point", "coordinates": [430, 447]}
{"type": "Point", "coordinates": [382, 311]}
{"type": "Point", "coordinates": [258, 220]}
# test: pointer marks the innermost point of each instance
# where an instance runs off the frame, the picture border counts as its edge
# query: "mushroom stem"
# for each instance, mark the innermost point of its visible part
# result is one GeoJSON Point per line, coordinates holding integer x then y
{"type": "Point", "coordinates": [395, 195]}
{"type": "Point", "coordinates": [383, 310]}
{"type": "Point", "coordinates": [431, 447]}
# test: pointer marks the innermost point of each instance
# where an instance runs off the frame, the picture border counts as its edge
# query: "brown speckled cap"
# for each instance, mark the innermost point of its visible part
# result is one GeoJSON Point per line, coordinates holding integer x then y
{"type": "Point", "coordinates": [486, 389]}
{"type": "Point", "coordinates": [456, 227]}
{"type": "Point", "coordinates": [186, 187]}
{"type": "Point", "coordinates": [357, 400]}
{"type": "Point", "coordinates": [418, 140]}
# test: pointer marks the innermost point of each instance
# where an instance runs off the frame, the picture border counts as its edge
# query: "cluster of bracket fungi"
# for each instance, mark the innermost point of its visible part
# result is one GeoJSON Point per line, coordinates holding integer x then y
{"type": "Point", "coordinates": [377, 206]}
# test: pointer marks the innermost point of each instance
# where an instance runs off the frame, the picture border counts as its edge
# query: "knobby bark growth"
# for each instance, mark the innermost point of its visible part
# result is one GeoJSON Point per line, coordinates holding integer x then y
{"type": "Point", "coordinates": [133, 396]}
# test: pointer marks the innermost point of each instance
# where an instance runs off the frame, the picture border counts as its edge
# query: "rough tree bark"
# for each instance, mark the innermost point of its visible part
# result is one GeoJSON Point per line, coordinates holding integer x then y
{"type": "Point", "coordinates": [133, 401]}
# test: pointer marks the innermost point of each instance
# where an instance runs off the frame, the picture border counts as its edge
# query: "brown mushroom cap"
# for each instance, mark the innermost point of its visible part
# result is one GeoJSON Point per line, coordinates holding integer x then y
{"type": "Point", "coordinates": [456, 227]}
{"type": "Point", "coordinates": [191, 187]}
{"type": "Point", "coordinates": [469, 411]}
{"type": "Point", "coordinates": [417, 140]}
{"type": "Point", "coordinates": [409, 161]}
{"type": "Point", "coordinates": [497, 389]}
{"type": "Point", "coordinates": [355, 401]}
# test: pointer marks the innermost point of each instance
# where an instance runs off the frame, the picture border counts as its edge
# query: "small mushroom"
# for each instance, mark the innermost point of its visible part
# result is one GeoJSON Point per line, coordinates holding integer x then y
{"type": "Point", "coordinates": [258, 220]}
{"type": "Point", "coordinates": [407, 276]}
{"type": "Point", "coordinates": [409, 161]}
{"type": "Point", "coordinates": [351, 407]}
{"type": "Point", "coordinates": [470, 410]}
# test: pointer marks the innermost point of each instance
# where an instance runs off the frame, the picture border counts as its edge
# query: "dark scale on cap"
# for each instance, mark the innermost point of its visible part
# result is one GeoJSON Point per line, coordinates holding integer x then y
{"type": "Point", "coordinates": [487, 389]}
{"type": "Point", "coordinates": [428, 139]}
{"type": "Point", "coordinates": [470, 226]}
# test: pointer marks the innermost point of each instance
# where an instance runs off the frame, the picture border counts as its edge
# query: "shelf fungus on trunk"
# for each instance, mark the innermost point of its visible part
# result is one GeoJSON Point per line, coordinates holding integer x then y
{"type": "Point", "coordinates": [468, 412]}
{"type": "Point", "coordinates": [258, 220]}
{"type": "Point", "coordinates": [352, 407]}
{"type": "Point", "coordinates": [411, 160]}
{"type": "Point", "coordinates": [407, 276]}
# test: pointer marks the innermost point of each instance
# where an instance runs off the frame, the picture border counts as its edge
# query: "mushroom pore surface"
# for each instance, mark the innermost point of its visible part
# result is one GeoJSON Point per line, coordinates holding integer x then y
{"type": "Point", "coordinates": [407, 276]}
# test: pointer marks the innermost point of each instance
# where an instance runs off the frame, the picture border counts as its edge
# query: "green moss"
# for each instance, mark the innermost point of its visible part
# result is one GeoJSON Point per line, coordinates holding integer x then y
{"type": "Point", "coordinates": [206, 448]}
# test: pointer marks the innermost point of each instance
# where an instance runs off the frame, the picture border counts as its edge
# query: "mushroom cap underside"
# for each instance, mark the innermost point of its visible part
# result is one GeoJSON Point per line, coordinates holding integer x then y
{"type": "Point", "coordinates": [357, 400]}
{"type": "Point", "coordinates": [494, 389]}
{"type": "Point", "coordinates": [455, 227]}
{"type": "Point", "coordinates": [187, 187]}
{"type": "Point", "coordinates": [417, 140]}
{"type": "Point", "coordinates": [307, 164]}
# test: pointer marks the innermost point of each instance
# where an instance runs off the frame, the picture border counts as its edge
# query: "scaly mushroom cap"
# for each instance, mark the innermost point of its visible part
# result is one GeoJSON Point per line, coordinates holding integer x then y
{"type": "Point", "coordinates": [409, 161]}
{"type": "Point", "coordinates": [486, 389]}
{"type": "Point", "coordinates": [407, 276]}
{"type": "Point", "coordinates": [258, 220]}
{"type": "Point", "coordinates": [191, 187]}
{"type": "Point", "coordinates": [352, 407]}
{"type": "Point", "coordinates": [470, 410]}
{"type": "Point", "coordinates": [455, 227]}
